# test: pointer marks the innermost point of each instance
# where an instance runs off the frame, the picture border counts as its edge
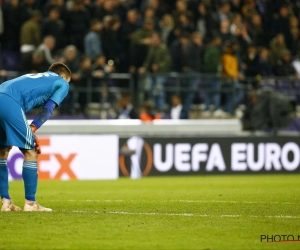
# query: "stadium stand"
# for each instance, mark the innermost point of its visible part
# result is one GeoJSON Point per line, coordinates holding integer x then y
{"type": "Point", "coordinates": [216, 55]}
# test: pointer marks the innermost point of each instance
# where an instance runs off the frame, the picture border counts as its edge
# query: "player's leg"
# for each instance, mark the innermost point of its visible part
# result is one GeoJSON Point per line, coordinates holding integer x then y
{"type": "Point", "coordinates": [18, 133]}
{"type": "Point", "coordinates": [30, 177]}
{"type": "Point", "coordinates": [7, 204]}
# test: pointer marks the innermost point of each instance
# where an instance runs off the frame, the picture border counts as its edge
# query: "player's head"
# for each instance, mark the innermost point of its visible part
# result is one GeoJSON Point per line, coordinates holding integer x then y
{"type": "Point", "coordinates": [62, 70]}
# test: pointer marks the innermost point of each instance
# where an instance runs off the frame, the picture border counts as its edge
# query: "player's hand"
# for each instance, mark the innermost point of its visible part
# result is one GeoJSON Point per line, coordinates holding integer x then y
{"type": "Point", "coordinates": [36, 140]}
{"type": "Point", "coordinates": [33, 128]}
{"type": "Point", "coordinates": [37, 144]}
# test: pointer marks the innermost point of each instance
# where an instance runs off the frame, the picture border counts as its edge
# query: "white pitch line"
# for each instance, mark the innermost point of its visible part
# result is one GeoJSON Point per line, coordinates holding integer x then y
{"type": "Point", "coordinates": [157, 214]}
{"type": "Point", "coordinates": [87, 200]}
{"type": "Point", "coordinates": [187, 201]}
{"type": "Point", "coordinates": [224, 201]}
{"type": "Point", "coordinates": [187, 214]}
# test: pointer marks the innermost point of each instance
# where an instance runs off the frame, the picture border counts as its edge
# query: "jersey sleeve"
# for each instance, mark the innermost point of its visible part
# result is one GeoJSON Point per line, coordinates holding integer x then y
{"type": "Point", "coordinates": [61, 89]}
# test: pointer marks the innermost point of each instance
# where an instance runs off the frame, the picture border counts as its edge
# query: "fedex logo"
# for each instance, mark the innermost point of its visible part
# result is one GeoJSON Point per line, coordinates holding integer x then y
{"type": "Point", "coordinates": [60, 165]}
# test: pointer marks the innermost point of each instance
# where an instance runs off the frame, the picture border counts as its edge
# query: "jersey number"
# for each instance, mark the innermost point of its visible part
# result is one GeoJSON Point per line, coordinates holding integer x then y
{"type": "Point", "coordinates": [38, 75]}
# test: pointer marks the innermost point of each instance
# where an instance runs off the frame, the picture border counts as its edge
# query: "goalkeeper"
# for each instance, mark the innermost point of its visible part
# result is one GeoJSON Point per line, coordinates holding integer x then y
{"type": "Point", "coordinates": [17, 97]}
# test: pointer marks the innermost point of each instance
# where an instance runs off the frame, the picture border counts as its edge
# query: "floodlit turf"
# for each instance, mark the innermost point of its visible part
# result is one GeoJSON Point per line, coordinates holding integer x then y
{"type": "Point", "coordinates": [216, 212]}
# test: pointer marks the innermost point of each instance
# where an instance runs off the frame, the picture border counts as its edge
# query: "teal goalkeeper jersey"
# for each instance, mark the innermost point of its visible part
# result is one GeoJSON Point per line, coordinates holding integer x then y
{"type": "Point", "coordinates": [33, 90]}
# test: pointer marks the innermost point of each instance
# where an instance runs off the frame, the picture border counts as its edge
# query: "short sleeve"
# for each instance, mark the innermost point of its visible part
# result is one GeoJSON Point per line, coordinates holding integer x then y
{"type": "Point", "coordinates": [60, 91]}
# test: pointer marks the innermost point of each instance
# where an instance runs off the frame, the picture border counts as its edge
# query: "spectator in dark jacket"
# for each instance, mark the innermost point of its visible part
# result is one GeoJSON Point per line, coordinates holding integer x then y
{"type": "Point", "coordinates": [251, 62]}
{"type": "Point", "coordinates": [110, 37]}
{"type": "Point", "coordinates": [77, 24]}
{"type": "Point", "coordinates": [179, 53]}
{"type": "Point", "coordinates": [264, 65]}
{"type": "Point", "coordinates": [158, 61]}
{"type": "Point", "coordinates": [212, 61]}
{"type": "Point", "coordinates": [284, 66]}
{"type": "Point", "coordinates": [10, 42]}
{"type": "Point", "coordinates": [54, 26]}
{"type": "Point", "coordinates": [126, 110]}
{"type": "Point", "coordinates": [127, 30]}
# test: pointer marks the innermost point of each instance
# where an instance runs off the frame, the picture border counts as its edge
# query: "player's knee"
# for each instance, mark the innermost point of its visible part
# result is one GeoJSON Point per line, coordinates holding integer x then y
{"type": "Point", "coordinates": [4, 152]}
{"type": "Point", "coordinates": [29, 155]}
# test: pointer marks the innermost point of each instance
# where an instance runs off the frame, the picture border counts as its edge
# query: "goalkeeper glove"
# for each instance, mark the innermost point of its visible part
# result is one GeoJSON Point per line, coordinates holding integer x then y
{"type": "Point", "coordinates": [36, 140]}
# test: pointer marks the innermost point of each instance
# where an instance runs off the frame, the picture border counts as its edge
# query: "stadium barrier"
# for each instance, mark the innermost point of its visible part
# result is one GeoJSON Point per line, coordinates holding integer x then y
{"type": "Point", "coordinates": [100, 157]}
{"type": "Point", "coordinates": [114, 84]}
{"type": "Point", "coordinates": [157, 156]}
{"type": "Point", "coordinates": [72, 157]}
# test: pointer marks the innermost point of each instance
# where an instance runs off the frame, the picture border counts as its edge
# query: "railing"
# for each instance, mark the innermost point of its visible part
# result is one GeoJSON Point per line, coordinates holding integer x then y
{"type": "Point", "coordinates": [174, 83]}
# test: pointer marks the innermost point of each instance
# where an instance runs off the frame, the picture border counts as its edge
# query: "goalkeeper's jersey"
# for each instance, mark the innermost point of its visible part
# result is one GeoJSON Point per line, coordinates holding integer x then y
{"type": "Point", "coordinates": [33, 90]}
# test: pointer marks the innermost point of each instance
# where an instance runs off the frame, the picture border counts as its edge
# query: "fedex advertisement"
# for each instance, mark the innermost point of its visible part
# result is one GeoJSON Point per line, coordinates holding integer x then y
{"type": "Point", "coordinates": [72, 157]}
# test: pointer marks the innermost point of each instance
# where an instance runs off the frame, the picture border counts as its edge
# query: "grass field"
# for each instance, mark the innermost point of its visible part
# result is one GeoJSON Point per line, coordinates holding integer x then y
{"type": "Point", "coordinates": [216, 212]}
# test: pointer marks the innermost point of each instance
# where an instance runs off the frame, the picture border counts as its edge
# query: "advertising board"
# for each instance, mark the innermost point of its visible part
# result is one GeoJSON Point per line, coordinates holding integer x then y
{"type": "Point", "coordinates": [72, 157]}
{"type": "Point", "coordinates": [208, 155]}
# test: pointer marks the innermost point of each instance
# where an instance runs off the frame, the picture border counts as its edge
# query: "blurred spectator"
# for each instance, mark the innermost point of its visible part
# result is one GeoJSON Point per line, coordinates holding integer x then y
{"type": "Point", "coordinates": [256, 31]}
{"type": "Point", "coordinates": [26, 9]}
{"type": "Point", "coordinates": [104, 9]}
{"type": "Point", "coordinates": [121, 7]}
{"type": "Point", "coordinates": [251, 62]}
{"type": "Point", "coordinates": [212, 66]}
{"type": "Point", "coordinates": [195, 52]}
{"type": "Point", "coordinates": [110, 37]}
{"type": "Point", "coordinates": [47, 47]}
{"type": "Point", "coordinates": [185, 24]}
{"type": "Point", "coordinates": [33, 62]}
{"type": "Point", "coordinates": [126, 109]}
{"type": "Point", "coordinates": [277, 46]}
{"type": "Point", "coordinates": [92, 40]}
{"type": "Point", "coordinates": [100, 70]}
{"type": "Point", "coordinates": [235, 6]}
{"type": "Point", "coordinates": [177, 111]}
{"type": "Point", "coordinates": [81, 81]}
{"type": "Point", "coordinates": [127, 30]}
{"type": "Point", "coordinates": [284, 66]}
{"type": "Point", "coordinates": [140, 42]}
{"type": "Point", "coordinates": [223, 12]}
{"type": "Point", "coordinates": [230, 73]}
{"type": "Point", "coordinates": [149, 13]}
{"type": "Point", "coordinates": [167, 28]}
{"type": "Point", "coordinates": [158, 61]}
{"type": "Point", "coordinates": [264, 65]}
{"type": "Point", "coordinates": [179, 53]}
{"type": "Point", "coordinates": [280, 22]}
{"type": "Point", "coordinates": [54, 26]}
{"type": "Point", "coordinates": [10, 40]}
{"type": "Point", "coordinates": [158, 5]}
{"type": "Point", "coordinates": [296, 65]}
{"type": "Point", "coordinates": [77, 24]}
{"type": "Point", "coordinates": [204, 21]}
{"type": "Point", "coordinates": [54, 4]}
{"type": "Point", "coordinates": [224, 31]}
{"type": "Point", "coordinates": [148, 113]}
{"type": "Point", "coordinates": [181, 7]}
{"type": "Point", "coordinates": [30, 33]}
{"type": "Point", "coordinates": [293, 38]}
{"type": "Point", "coordinates": [89, 7]}
{"type": "Point", "coordinates": [72, 59]}
{"type": "Point", "coordinates": [249, 8]}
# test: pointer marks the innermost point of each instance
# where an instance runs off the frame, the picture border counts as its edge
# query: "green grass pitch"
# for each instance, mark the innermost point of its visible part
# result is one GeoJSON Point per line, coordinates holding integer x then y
{"type": "Point", "coordinates": [204, 212]}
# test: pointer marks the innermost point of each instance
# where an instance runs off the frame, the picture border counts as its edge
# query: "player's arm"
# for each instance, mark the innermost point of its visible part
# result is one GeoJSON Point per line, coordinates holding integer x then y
{"type": "Point", "coordinates": [60, 90]}
{"type": "Point", "coordinates": [44, 114]}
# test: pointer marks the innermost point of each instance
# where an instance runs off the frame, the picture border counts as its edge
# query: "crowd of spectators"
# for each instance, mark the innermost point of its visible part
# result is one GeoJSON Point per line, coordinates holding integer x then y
{"type": "Point", "coordinates": [230, 40]}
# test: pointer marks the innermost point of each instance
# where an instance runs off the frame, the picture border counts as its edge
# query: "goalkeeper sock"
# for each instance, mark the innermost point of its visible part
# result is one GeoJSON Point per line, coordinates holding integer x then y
{"type": "Point", "coordinates": [4, 179]}
{"type": "Point", "coordinates": [30, 177]}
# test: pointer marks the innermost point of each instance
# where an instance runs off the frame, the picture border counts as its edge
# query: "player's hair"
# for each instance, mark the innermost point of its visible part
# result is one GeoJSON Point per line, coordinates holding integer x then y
{"type": "Point", "coordinates": [60, 68]}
